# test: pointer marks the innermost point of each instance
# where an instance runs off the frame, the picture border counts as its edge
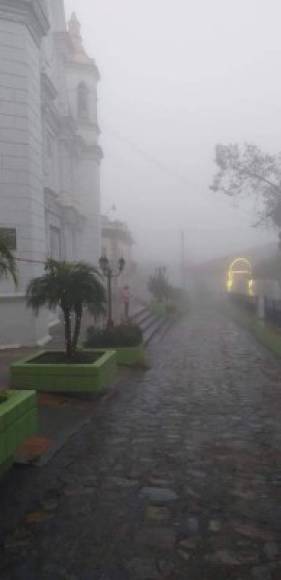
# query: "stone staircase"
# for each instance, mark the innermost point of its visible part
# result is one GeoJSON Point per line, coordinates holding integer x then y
{"type": "Point", "coordinates": [151, 325]}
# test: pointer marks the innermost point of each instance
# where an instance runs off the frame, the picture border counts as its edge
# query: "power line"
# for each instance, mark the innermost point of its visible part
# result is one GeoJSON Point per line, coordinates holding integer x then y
{"type": "Point", "coordinates": [148, 157]}
{"type": "Point", "coordinates": [164, 168]}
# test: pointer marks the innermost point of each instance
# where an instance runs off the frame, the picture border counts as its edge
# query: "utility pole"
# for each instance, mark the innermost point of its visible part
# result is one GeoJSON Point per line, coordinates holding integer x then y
{"type": "Point", "coordinates": [182, 260]}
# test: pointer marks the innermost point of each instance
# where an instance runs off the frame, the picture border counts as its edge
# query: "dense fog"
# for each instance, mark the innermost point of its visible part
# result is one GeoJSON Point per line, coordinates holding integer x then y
{"type": "Point", "coordinates": [178, 78]}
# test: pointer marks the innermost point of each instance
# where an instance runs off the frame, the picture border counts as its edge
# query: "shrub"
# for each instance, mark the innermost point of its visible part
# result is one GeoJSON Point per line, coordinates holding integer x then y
{"type": "Point", "coordinates": [172, 309]}
{"type": "Point", "coordinates": [158, 309]}
{"type": "Point", "coordinates": [124, 335]}
{"type": "Point", "coordinates": [3, 398]}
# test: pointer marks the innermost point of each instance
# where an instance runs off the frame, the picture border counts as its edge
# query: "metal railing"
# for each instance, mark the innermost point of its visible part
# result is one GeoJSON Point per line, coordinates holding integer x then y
{"type": "Point", "coordinates": [272, 308]}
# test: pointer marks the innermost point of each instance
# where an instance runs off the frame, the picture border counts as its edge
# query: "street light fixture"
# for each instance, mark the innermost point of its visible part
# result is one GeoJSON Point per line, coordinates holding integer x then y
{"type": "Point", "coordinates": [109, 273]}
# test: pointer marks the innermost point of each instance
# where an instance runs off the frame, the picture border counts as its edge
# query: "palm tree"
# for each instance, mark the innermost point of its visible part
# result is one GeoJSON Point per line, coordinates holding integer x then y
{"type": "Point", "coordinates": [7, 261]}
{"type": "Point", "coordinates": [72, 286]}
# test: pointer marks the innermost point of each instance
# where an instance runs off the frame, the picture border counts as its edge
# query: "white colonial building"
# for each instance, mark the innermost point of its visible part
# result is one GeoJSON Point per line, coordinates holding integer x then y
{"type": "Point", "coordinates": [49, 152]}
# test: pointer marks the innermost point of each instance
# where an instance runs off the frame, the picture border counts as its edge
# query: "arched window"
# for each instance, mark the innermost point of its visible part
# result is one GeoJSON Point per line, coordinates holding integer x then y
{"type": "Point", "coordinates": [83, 101]}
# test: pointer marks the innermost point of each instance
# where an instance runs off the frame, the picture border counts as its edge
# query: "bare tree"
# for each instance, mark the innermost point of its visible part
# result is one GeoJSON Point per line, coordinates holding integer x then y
{"type": "Point", "coordinates": [248, 170]}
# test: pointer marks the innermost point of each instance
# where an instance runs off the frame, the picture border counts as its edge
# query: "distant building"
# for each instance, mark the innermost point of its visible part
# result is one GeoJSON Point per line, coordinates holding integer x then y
{"type": "Point", "coordinates": [117, 242]}
{"type": "Point", "coordinates": [50, 156]}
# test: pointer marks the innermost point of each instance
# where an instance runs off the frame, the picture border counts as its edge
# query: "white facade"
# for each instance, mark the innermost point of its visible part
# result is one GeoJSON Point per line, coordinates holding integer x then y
{"type": "Point", "coordinates": [117, 242]}
{"type": "Point", "coordinates": [50, 157]}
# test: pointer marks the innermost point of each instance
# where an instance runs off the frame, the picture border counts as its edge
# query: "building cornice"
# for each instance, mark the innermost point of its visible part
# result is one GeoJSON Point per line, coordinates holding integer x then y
{"type": "Point", "coordinates": [87, 67]}
{"type": "Point", "coordinates": [88, 124]}
{"type": "Point", "coordinates": [118, 232]}
{"type": "Point", "coordinates": [93, 152]}
{"type": "Point", "coordinates": [32, 13]}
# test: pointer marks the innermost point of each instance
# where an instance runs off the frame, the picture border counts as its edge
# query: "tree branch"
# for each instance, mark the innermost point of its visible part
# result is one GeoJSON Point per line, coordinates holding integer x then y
{"type": "Point", "coordinates": [261, 178]}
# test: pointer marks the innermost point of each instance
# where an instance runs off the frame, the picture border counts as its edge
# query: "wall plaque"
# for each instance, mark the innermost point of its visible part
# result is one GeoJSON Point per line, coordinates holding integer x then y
{"type": "Point", "coordinates": [10, 235]}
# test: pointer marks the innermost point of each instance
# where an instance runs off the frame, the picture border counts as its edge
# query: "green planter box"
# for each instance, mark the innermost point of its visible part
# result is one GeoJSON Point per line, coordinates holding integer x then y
{"type": "Point", "coordinates": [18, 421]}
{"type": "Point", "coordinates": [64, 378]}
{"type": "Point", "coordinates": [130, 356]}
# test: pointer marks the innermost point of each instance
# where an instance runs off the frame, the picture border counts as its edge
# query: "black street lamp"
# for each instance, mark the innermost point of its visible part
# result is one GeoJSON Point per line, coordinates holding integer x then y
{"type": "Point", "coordinates": [109, 273]}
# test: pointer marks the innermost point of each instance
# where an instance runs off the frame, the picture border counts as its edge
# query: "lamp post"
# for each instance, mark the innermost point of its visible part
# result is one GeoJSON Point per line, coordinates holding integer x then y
{"type": "Point", "coordinates": [109, 273]}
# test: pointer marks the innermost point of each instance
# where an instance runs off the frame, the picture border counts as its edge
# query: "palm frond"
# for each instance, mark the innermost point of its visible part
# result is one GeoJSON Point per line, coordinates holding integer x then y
{"type": "Point", "coordinates": [70, 285]}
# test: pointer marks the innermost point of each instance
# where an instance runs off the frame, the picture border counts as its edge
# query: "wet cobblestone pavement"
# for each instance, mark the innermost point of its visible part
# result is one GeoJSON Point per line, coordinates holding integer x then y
{"type": "Point", "coordinates": [177, 477]}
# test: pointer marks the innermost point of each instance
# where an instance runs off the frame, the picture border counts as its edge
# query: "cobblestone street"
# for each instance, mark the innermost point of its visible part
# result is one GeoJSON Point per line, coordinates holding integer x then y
{"type": "Point", "coordinates": [178, 476]}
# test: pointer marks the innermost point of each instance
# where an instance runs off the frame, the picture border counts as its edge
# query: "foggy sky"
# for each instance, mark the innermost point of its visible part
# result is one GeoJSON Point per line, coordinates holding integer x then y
{"type": "Point", "coordinates": [178, 76]}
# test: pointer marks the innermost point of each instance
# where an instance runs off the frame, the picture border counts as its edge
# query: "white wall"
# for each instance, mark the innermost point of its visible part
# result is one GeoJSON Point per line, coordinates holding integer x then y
{"type": "Point", "coordinates": [35, 154]}
{"type": "Point", "coordinates": [21, 176]}
{"type": "Point", "coordinates": [88, 169]}
{"type": "Point", "coordinates": [89, 195]}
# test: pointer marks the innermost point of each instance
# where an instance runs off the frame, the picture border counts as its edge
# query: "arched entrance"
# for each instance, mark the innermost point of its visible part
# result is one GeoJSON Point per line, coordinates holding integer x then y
{"type": "Point", "coordinates": [239, 277]}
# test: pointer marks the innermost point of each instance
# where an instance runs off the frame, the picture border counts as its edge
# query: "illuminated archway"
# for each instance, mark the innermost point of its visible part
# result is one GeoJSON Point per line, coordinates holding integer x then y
{"type": "Point", "coordinates": [240, 270]}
